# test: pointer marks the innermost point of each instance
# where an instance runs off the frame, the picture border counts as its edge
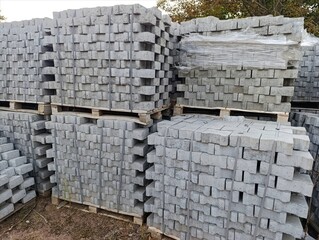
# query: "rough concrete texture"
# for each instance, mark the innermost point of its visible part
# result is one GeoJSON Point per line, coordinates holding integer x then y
{"type": "Point", "coordinates": [216, 178]}
{"type": "Point", "coordinates": [310, 122]}
{"type": "Point", "coordinates": [26, 131]}
{"type": "Point", "coordinates": [116, 58]}
{"type": "Point", "coordinates": [197, 183]}
{"type": "Point", "coordinates": [16, 186]}
{"type": "Point", "coordinates": [222, 69]}
{"type": "Point", "coordinates": [101, 162]}
{"type": "Point", "coordinates": [307, 83]}
{"type": "Point", "coordinates": [25, 56]}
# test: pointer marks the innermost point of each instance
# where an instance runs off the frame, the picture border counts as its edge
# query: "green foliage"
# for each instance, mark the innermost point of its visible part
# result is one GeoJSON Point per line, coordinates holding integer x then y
{"type": "Point", "coordinates": [2, 17]}
{"type": "Point", "coordinates": [183, 10]}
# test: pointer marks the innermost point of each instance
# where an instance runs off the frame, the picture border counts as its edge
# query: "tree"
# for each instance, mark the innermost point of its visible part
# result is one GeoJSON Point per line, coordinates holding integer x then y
{"type": "Point", "coordinates": [2, 17]}
{"type": "Point", "coordinates": [183, 10]}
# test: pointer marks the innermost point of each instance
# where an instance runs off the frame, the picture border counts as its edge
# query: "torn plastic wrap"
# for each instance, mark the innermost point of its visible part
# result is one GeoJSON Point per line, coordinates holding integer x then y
{"type": "Point", "coordinates": [241, 49]}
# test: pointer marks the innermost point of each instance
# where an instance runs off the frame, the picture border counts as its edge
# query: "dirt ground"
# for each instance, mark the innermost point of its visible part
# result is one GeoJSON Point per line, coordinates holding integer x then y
{"type": "Point", "coordinates": [41, 220]}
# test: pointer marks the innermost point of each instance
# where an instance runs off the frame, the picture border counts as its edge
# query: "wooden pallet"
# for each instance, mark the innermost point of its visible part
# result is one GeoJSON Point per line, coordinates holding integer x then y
{"type": "Point", "coordinates": [18, 207]}
{"type": "Point", "coordinates": [142, 117]}
{"type": "Point", "coordinates": [158, 234]}
{"type": "Point", "coordinates": [45, 193]}
{"type": "Point", "coordinates": [223, 112]}
{"type": "Point", "coordinates": [123, 216]}
{"type": "Point", "coordinates": [29, 107]}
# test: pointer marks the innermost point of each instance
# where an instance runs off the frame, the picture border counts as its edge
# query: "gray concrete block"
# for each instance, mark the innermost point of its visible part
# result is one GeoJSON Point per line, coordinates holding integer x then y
{"type": "Point", "coordinates": [10, 154]}
{"type": "Point", "coordinates": [18, 195]}
{"type": "Point", "coordinates": [9, 172]}
{"type": "Point", "coordinates": [5, 194]}
{"type": "Point", "coordinates": [29, 196]}
{"type": "Point", "coordinates": [6, 209]}
{"type": "Point", "coordinates": [6, 147]}
{"type": "Point", "coordinates": [15, 181]}
{"type": "Point", "coordinates": [23, 169]}
{"type": "Point", "coordinates": [28, 182]}
{"type": "Point", "coordinates": [15, 162]}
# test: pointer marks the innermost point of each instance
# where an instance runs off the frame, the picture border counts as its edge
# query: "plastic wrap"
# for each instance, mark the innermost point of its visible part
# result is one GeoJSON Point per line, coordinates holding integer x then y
{"type": "Point", "coordinates": [309, 40]}
{"type": "Point", "coordinates": [237, 49]}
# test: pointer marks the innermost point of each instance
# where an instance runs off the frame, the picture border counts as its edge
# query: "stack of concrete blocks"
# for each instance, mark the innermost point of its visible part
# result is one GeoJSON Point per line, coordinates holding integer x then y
{"type": "Point", "coordinates": [175, 54]}
{"type": "Point", "coordinates": [16, 184]}
{"type": "Point", "coordinates": [248, 63]}
{"type": "Point", "coordinates": [100, 163]}
{"type": "Point", "coordinates": [311, 123]}
{"type": "Point", "coordinates": [307, 83]}
{"type": "Point", "coordinates": [28, 134]}
{"type": "Point", "coordinates": [114, 58]}
{"type": "Point", "coordinates": [26, 56]}
{"type": "Point", "coordinates": [215, 178]}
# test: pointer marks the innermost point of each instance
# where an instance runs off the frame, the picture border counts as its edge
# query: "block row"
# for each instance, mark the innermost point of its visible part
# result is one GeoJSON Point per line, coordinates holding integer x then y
{"type": "Point", "coordinates": [28, 134]}
{"type": "Point", "coordinates": [245, 68]}
{"type": "Point", "coordinates": [16, 183]}
{"type": "Point", "coordinates": [310, 121]}
{"type": "Point", "coordinates": [26, 57]}
{"type": "Point", "coordinates": [231, 178]}
{"type": "Point", "coordinates": [113, 58]}
{"type": "Point", "coordinates": [100, 163]}
{"type": "Point", "coordinates": [307, 83]}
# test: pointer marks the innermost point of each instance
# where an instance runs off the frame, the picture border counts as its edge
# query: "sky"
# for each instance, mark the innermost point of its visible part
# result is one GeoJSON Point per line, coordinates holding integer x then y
{"type": "Point", "coordinates": [16, 10]}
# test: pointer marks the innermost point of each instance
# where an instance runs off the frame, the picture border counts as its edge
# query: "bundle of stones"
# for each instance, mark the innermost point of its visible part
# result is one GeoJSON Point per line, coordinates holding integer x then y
{"type": "Point", "coordinates": [114, 58]}
{"type": "Point", "coordinates": [311, 123]}
{"type": "Point", "coordinates": [248, 63]}
{"type": "Point", "coordinates": [26, 55]}
{"type": "Point", "coordinates": [16, 185]}
{"type": "Point", "coordinates": [100, 163]}
{"type": "Point", "coordinates": [216, 178]}
{"type": "Point", "coordinates": [28, 134]}
{"type": "Point", "coordinates": [307, 83]}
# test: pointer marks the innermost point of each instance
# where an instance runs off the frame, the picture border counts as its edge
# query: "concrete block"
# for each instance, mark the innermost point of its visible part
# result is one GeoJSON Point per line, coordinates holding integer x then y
{"type": "Point", "coordinates": [23, 169]}
{"type": "Point", "coordinates": [6, 209]}
{"type": "Point", "coordinates": [15, 162]}
{"type": "Point", "coordinates": [18, 195]}
{"type": "Point", "coordinates": [15, 181]}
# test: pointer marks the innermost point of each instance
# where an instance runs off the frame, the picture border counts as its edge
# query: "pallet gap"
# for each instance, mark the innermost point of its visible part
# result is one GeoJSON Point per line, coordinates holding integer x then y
{"type": "Point", "coordinates": [305, 104]}
{"type": "Point", "coordinates": [224, 112]}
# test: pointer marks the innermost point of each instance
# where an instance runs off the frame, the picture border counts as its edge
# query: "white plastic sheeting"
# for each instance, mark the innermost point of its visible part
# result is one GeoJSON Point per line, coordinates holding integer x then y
{"type": "Point", "coordinates": [309, 39]}
{"type": "Point", "coordinates": [244, 49]}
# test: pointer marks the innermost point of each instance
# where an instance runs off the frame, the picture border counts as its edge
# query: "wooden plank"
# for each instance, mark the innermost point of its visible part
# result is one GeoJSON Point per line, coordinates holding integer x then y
{"type": "Point", "coordinates": [44, 109]}
{"type": "Point", "coordinates": [96, 112]}
{"type": "Point", "coordinates": [158, 234]}
{"type": "Point", "coordinates": [224, 112]}
{"type": "Point", "coordinates": [282, 118]}
{"type": "Point", "coordinates": [123, 216]}
{"type": "Point", "coordinates": [142, 118]}
{"type": "Point", "coordinates": [45, 193]}
{"type": "Point", "coordinates": [27, 107]}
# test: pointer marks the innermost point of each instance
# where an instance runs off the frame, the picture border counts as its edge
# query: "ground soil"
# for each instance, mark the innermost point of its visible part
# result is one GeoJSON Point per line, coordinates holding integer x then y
{"type": "Point", "coordinates": [40, 220]}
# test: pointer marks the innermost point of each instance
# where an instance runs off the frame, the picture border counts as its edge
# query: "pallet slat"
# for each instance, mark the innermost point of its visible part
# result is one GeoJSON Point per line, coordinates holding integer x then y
{"type": "Point", "coordinates": [158, 234]}
{"type": "Point", "coordinates": [123, 216]}
{"type": "Point", "coordinates": [143, 117]}
{"type": "Point", "coordinates": [29, 107]}
{"type": "Point", "coordinates": [224, 112]}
